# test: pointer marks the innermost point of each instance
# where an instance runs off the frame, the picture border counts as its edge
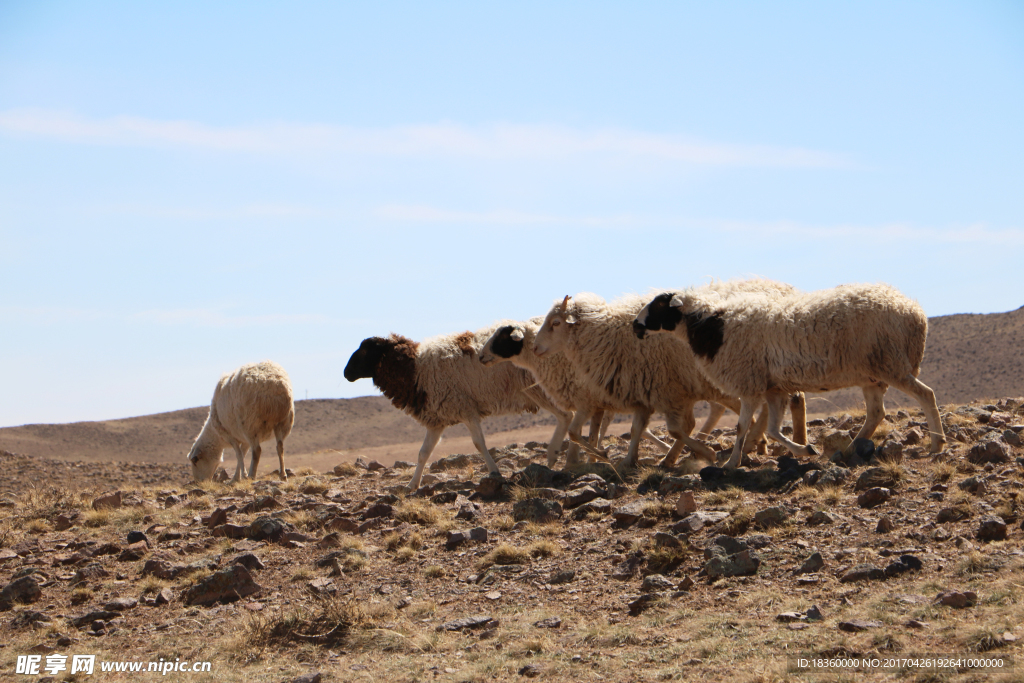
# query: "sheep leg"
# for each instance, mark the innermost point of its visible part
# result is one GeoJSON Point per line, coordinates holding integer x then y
{"type": "Point", "coordinates": [798, 411]}
{"type": "Point", "coordinates": [595, 427]}
{"type": "Point", "coordinates": [658, 443]}
{"type": "Point", "coordinates": [757, 431]}
{"type": "Point", "coordinates": [609, 417]}
{"type": "Point", "coordinates": [776, 409]}
{"type": "Point", "coordinates": [572, 451]}
{"type": "Point", "coordinates": [280, 454]}
{"type": "Point", "coordinates": [679, 426]}
{"type": "Point", "coordinates": [912, 386]}
{"type": "Point", "coordinates": [555, 445]}
{"type": "Point", "coordinates": [641, 418]}
{"type": "Point", "coordinates": [473, 424]}
{"type": "Point", "coordinates": [429, 442]}
{"type": "Point", "coordinates": [747, 408]}
{"type": "Point", "coordinates": [240, 467]}
{"type": "Point", "coordinates": [874, 395]}
{"type": "Point", "coordinates": [717, 411]}
{"type": "Point", "coordinates": [256, 450]}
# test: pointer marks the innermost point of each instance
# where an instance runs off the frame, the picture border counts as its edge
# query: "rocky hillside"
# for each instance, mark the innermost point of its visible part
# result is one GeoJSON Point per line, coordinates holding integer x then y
{"type": "Point", "coordinates": [881, 550]}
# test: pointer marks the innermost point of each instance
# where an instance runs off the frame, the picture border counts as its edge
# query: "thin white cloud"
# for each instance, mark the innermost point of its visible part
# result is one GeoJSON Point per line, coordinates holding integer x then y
{"type": "Point", "coordinates": [496, 141]}
{"type": "Point", "coordinates": [197, 317]}
{"type": "Point", "coordinates": [885, 233]}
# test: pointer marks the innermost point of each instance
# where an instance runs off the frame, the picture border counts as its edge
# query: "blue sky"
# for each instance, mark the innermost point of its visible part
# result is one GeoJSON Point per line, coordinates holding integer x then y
{"type": "Point", "coordinates": [187, 187]}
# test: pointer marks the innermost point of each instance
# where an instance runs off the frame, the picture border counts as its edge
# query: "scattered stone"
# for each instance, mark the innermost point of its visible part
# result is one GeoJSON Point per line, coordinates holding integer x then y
{"type": "Point", "coordinates": [378, 510]}
{"type": "Point", "coordinates": [686, 584]}
{"type": "Point", "coordinates": [266, 528]}
{"type": "Point", "coordinates": [992, 528]}
{"type": "Point", "coordinates": [686, 504]}
{"type": "Point", "coordinates": [663, 540]}
{"type": "Point", "coordinates": [830, 475]}
{"type": "Point", "coordinates": [953, 514]}
{"type": "Point", "coordinates": [786, 617]}
{"type": "Point", "coordinates": [629, 514]}
{"type": "Point", "coordinates": [835, 441]}
{"type": "Point", "coordinates": [538, 510]}
{"type": "Point", "coordinates": [64, 522]}
{"type": "Point", "coordinates": [579, 496]}
{"type": "Point", "coordinates": [342, 524]}
{"type": "Point", "coordinates": [136, 537]}
{"type": "Point", "coordinates": [876, 477]}
{"type": "Point", "coordinates": [912, 437]}
{"type": "Point", "coordinates": [109, 501]}
{"type": "Point", "coordinates": [646, 601]}
{"type": "Point", "coordinates": [121, 604]}
{"type": "Point", "coordinates": [874, 497]}
{"type": "Point", "coordinates": [134, 552]}
{"type": "Point", "coordinates": [563, 576]}
{"type": "Point", "coordinates": [863, 449]}
{"type": "Point", "coordinates": [102, 615]}
{"type": "Point", "coordinates": [90, 572]}
{"type": "Point", "coordinates": [308, 678]}
{"type": "Point", "coordinates": [974, 485]}
{"type": "Point", "coordinates": [465, 623]}
{"type": "Point", "coordinates": [226, 585]}
{"type": "Point", "coordinates": [457, 538]}
{"type": "Point", "coordinates": [916, 623]}
{"type": "Point", "coordinates": [988, 451]}
{"type": "Point", "coordinates": [249, 561]}
{"type": "Point", "coordinates": [671, 485]}
{"type": "Point", "coordinates": [812, 564]}
{"type": "Point", "coordinates": [857, 625]}
{"type": "Point", "coordinates": [458, 461]}
{"type": "Point", "coordinates": [906, 563]}
{"type": "Point", "coordinates": [697, 521]}
{"type": "Point", "coordinates": [24, 590]}
{"type": "Point", "coordinates": [322, 585]}
{"type": "Point", "coordinates": [655, 582]}
{"type": "Point", "coordinates": [261, 504]}
{"type": "Point", "coordinates": [770, 517]}
{"type": "Point", "coordinates": [743, 563]}
{"type": "Point", "coordinates": [550, 622]}
{"type": "Point", "coordinates": [957, 599]}
{"type": "Point", "coordinates": [164, 596]}
{"type": "Point", "coordinates": [885, 525]}
{"type": "Point", "coordinates": [891, 451]}
{"type": "Point", "coordinates": [491, 485]}
{"type": "Point", "coordinates": [597, 507]}
{"type": "Point", "coordinates": [821, 517]}
{"type": "Point", "coordinates": [862, 572]}
{"type": "Point", "coordinates": [814, 614]}
{"type": "Point", "coordinates": [531, 670]}
{"type": "Point", "coordinates": [467, 512]}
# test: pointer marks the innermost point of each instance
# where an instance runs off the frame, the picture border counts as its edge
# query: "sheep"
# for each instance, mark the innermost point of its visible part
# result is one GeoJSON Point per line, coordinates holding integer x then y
{"type": "Point", "coordinates": [658, 376]}
{"type": "Point", "coordinates": [248, 406]}
{"type": "Point", "coordinates": [440, 383]}
{"type": "Point", "coordinates": [870, 336]}
{"type": "Point", "coordinates": [513, 341]}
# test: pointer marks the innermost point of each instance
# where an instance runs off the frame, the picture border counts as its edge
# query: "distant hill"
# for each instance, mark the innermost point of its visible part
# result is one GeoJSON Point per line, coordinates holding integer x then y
{"type": "Point", "coordinates": [969, 356]}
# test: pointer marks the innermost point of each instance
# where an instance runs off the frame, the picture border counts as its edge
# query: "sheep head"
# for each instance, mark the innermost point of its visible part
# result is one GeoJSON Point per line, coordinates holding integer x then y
{"type": "Point", "coordinates": [364, 361]}
{"type": "Point", "coordinates": [661, 314]}
{"type": "Point", "coordinates": [506, 342]}
{"type": "Point", "coordinates": [557, 325]}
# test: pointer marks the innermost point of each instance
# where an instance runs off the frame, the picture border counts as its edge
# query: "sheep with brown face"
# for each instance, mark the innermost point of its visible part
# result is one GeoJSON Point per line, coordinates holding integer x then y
{"type": "Point", "coordinates": [441, 382]}
{"type": "Point", "coordinates": [513, 342]}
{"type": "Point", "coordinates": [249, 406]}
{"type": "Point", "coordinates": [870, 336]}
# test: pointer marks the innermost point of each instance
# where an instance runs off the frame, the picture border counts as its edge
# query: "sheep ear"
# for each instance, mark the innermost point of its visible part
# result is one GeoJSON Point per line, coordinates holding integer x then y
{"type": "Point", "coordinates": [570, 319]}
{"type": "Point", "coordinates": [677, 301]}
{"type": "Point", "coordinates": [517, 335]}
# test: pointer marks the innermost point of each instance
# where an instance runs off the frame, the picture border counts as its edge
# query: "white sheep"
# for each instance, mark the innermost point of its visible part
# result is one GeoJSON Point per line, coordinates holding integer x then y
{"type": "Point", "coordinates": [440, 382]}
{"type": "Point", "coordinates": [249, 405]}
{"type": "Point", "coordinates": [640, 378]}
{"type": "Point", "coordinates": [513, 341]}
{"type": "Point", "coordinates": [869, 336]}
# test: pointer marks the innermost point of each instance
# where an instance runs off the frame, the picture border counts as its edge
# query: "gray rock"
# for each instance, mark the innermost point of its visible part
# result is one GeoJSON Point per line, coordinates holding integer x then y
{"type": "Point", "coordinates": [164, 596]}
{"type": "Point", "coordinates": [226, 585]}
{"type": "Point", "coordinates": [465, 623]}
{"type": "Point", "coordinates": [109, 501]}
{"type": "Point", "coordinates": [646, 601]}
{"type": "Point", "coordinates": [457, 538]}
{"type": "Point", "coordinates": [89, 618]}
{"type": "Point", "coordinates": [378, 510]}
{"type": "Point", "coordinates": [579, 496]}
{"type": "Point", "coordinates": [550, 622]}
{"type": "Point", "coordinates": [249, 561]}
{"type": "Point", "coordinates": [656, 582]}
{"type": "Point", "coordinates": [697, 521]}
{"type": "Point", "coordinates": [309, 678]}
{"type": "Point", "coordinates": [770, 517]}
{"type": "Point", "coordinates": [491, 485]}
{"type": "Point", "coordinates": [266, 528]}
{"type": "Point", "coordinates": [453, 462]}
{"type": "Point", "coordinates": [744, 563]}
{"type": "Point", "coordinates": [687, 482]}
{"type": "Point", "coordinates": [834, 441]}
{"type": "Point", "coordinates": [856, 625]}
{"type": "Point", "coordinates": [953, 514]}
{"type": "Point", "coordinates": [812, 564]}
{"type": "Point", "coordinates": [629, 514]}
{"type": "Point", "coordinates": [875, 477]}
{"type": "Point", "coordinates": [991, 528]}
{"type": "Point", "coordinates": [957, 599]}
{"type": "Point", "coordinates": [90, 572]}
{"type": "Point", "coordinates": [989, 451]}
{"type": "Point", "coordinates": [874, 497]}
{"type": "Point", "coordinates": [885, 525]}
{"type": "Point", "coordinates": [23, 590]}
{"type": "Point", "coordinates": [536, 510]}
{"type": "Point", "coordinates": [602, 507]}
{"type": "Point", "coordinates": [829, 475]}
{"type": "Point", "coordinates": [663, 540]}
{"type": "Point", "coordinates": [724, 545]}
{"type": "Point", "coordinates": [890, 451]}
{"type": "Point", "coordinates": [821, 517]}
{"type": "Point", "coordinates": [974, 485]}
{"type": "Point", "coordinates": [863, 449]}
{"type": "Point", "coordinates": [562, 576]}
{"type": "Point", "coordinates": [862, 572]}
{"type": "Point", "coordinates": [121, 604]}
{"type": "Point", "coordinates": [1012, 438]}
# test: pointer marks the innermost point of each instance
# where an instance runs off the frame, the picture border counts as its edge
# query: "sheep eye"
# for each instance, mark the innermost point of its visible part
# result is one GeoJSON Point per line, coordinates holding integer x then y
{"type": "Point", "coordinates": [556, 323]}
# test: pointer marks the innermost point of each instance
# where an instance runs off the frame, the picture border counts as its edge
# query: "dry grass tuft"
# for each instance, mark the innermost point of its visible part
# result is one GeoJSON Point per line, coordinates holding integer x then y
{"type": "Point", "coordinates": [504, 554]}
{"type": "Point", "coordinates": [96, 518]}
{"type": "Point", "coordinates": [405, 554]}
{"type": "Point", "coordinates": [433, 572]}
{"type": "Point", "coordinates": [81, 594]}
{"type": "Point", "coordinates": [417, 511]}
{"type": "Point", "coordinates": [543, 548]}
{"type": "Point", "coordinates": [346, 469]}
{"type": "Point", "coordinates": [504, 522]}
{"type": "Point", "coordinates": [326, 624]}
{"type": "Point", "coordinates": [314, 486]}
{"type": "Point", "coordinates": [977, 562]}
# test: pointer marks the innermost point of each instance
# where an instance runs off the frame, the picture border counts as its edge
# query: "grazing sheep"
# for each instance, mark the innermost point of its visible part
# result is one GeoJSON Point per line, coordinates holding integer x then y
{"type": "Point", "coordinates": [869, 336]}
{"type": "Point", "coordinates": [440, 383]}
{"type": "Point", "coordinates": [642, 378]}
{"type": "Point", "coordinates": [554, 373]}
{"type": "Point", "coordinates": [248, 406]}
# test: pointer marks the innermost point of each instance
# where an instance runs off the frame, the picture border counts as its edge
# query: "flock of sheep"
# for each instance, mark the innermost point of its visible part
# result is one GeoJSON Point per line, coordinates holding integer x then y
{"type": "Point", "coordinates": [740, 344]}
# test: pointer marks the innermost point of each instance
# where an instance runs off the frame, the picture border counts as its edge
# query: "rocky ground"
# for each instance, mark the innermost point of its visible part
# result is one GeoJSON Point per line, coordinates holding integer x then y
{"type": "Point", "coordinates": [881, 550]}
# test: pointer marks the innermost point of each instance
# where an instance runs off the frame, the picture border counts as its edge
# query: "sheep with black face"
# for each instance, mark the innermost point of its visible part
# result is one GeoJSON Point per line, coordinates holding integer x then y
{"type": "Point", "coordinates": [440, 382]}
{"type": "Point", "coordinates": [870, 336]}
